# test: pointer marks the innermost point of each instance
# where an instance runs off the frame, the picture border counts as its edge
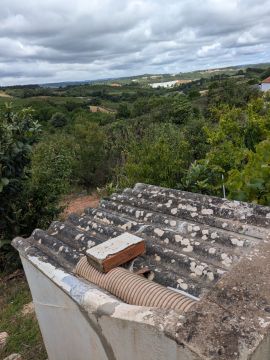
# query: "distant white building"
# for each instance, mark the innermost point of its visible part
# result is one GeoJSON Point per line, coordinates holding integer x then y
{"type": "Point", "coordinates": [265, 84]}
{"type": "Point", "coordinates": [166, 84]}
{"type": "Point", "coordinates": [169, 84]}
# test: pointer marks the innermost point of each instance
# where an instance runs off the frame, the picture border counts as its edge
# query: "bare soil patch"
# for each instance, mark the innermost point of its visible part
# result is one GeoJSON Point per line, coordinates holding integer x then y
{"type": "Point", "coordinates": [77, 204]}
{"type": "Point", "coordinates": [3, 94]}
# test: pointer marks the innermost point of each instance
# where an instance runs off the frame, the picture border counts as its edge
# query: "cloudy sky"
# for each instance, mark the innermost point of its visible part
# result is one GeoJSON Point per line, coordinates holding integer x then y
{"type": "Point", "coordinates": [59, 40]}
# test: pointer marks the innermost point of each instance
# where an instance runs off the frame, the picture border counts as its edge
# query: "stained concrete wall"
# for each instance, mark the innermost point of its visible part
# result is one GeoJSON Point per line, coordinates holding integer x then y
{"type": "Point", "coordinates": [70, 333]}
{"type": "Point", "coordinates": [66, 331]}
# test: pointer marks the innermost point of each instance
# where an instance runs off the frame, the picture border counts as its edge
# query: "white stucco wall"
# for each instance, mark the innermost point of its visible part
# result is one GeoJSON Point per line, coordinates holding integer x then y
{"type": "Point", "coordinates": [80, 324]}
{"type": "Point", "coordinates": [265, 86]}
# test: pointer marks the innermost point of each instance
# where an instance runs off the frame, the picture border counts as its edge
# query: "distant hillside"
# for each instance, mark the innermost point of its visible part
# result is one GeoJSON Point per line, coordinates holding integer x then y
{"type": "Point", "coordinates": [145, 79]}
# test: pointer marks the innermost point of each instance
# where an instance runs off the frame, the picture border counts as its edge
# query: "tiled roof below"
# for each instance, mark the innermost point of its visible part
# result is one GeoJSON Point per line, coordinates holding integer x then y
{"type": "Point", "coordinates": [266, 81]}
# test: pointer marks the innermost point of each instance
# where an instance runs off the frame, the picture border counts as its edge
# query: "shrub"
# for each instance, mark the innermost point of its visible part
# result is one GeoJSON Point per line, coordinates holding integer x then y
{"type": "Point", "coordinates": [159, 158]}
{"type": "Point", "coordinates": [123, 111]}
{"type": "Point", "coordinates": [51, 176]}
{"type": "Point", "coordinates": [253, 182]}
{"type": "Point", "coordinates": [91, 166]}
{"type": "Point", "coordinates": [18, 132]}
{"type": "Point", "coordinates": [58, 120]}
{"type": "Point", "coordinates": [181, 110]}
{"type": "Point", "coordinates": [52, 163]}
{"type": "Point", "coordinates": [229, 143]}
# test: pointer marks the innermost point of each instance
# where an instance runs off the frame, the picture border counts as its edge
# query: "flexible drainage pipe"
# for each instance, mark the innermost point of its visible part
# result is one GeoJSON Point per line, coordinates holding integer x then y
{"type": "Point", "coordinates": [134, 289]}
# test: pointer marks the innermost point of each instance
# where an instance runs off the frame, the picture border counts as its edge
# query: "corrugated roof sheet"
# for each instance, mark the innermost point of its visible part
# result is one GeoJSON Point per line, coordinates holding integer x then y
{"type": "Point", "coordinates": [191, 239]}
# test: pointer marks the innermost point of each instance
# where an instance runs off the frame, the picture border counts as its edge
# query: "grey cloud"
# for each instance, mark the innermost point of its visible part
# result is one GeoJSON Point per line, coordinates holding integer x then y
{"type": "Point", "coordinates": [54, 40]}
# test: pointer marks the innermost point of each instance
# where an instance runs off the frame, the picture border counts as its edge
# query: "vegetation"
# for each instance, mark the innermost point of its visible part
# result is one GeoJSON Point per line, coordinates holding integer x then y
{"type": "Point", "coordinates": [18, 133]}
{"type": "Point", "coordinates": [199, 136]}
{"type": "Point", "coordinates": [159, 157]}
{"type": "Point", "coordinates": [251, 183]}
{"type": "Point", "coordinates": [24, 334]}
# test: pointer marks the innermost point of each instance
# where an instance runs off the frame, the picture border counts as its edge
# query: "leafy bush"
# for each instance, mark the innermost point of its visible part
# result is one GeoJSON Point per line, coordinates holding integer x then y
{"type": "Point", "coordinates": [18, 132]}
{"type": "Point", "coordinates": [203, 178]}
{"type": "Point", "coordinates": [58, 120]}
{"type": "Point", "coordinates": [252, 183]}
{"type": "Point", "coordinates": [33, 177]}
{"type": "Point", "coordinates": [91, 166]}
{"type": "Point", "coordinates": [232, 93]}
{"type": "Point", "coordinates": [123, 111]}
{"type": "Point", "coordinates": [197, 137]}
{"type": "Point", "coordinates": [159, 158]}
{"type": "Point", "coordinates": [51, 176]}
{"type": "Point", "coordinates": [181, 110]}
{"type": "Point", "coordinates": [52, 163]}
{"type": "Point", "coordinates": [229, 143]}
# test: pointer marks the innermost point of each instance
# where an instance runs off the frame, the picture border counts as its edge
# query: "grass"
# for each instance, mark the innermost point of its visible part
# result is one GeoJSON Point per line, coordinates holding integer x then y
{"type": "Point", "coordinates": [24, 334]}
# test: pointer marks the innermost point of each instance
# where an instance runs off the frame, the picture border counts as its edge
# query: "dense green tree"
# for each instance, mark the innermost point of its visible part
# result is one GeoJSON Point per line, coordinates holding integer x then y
{"type": "Point", "coordinates": [58, 120]}
{"type": "Point", "coordinates": [231, 92]}
{"type": "Point", "coordinates": [52, 163]}
{"type": "Point", "coordinates": [140, 107]}
{"type": "Point", "coordinates": [197, 138]}
{"type": "Point", "coordinates": [72, 105]}
{"type": "Point", "coordinates": [252, 183]}
{"type": "Point", "coordinates": [18, 132]}
{"type": "Point", "coordinates": [229, 143]}
{"type": "Point", "coordinates": [203, 178]}
{"type": "Point", "coordinates": [265, 74]}
{"type": "Point", "coordinates": [159, 158]}
{"type": "Point", "coordinates": [50, 176]}
{"type": "Point", "coordinates": [91, 163]}
{"type": "Point", "coordinates": [193, 94]}
{"type": "Point", "coordinates": [181, 110]}
{"type": "Point", "coordinates": [43, 112]}
{"type": "Point", "coordinates": [123, 111]}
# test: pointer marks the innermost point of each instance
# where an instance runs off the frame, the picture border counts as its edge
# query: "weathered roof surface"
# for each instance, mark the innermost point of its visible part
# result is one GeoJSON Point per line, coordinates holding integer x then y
{"type": "Point", "coordinates": [214, 249]}
{"type": "Point", "coordinates": [266, 81]}
{"type": "Point", "coordinates": [192, 240]}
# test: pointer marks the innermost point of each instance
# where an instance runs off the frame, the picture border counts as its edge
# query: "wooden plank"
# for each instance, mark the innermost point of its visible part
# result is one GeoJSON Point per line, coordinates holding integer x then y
{"type": "Point", "coordinates": [116, 251]}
